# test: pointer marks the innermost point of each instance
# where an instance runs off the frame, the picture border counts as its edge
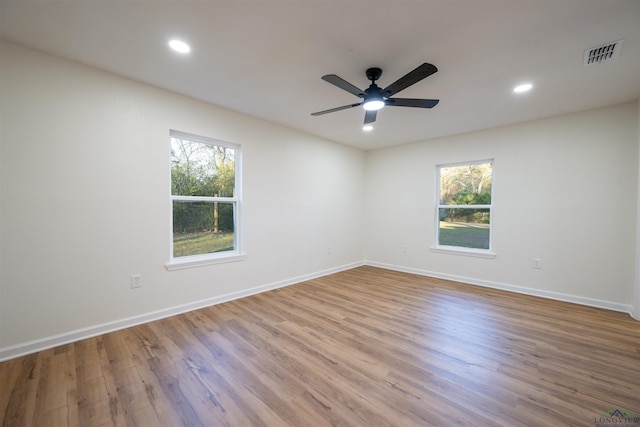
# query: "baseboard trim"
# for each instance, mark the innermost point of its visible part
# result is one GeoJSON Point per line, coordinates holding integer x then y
{"type": "Point", "coordinates": [591, 302]}
{"type": "Point", "coordinates": [34, 346]}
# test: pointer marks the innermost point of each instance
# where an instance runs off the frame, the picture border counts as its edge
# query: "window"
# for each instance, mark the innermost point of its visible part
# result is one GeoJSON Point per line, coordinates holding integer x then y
{"type": "Point", "coordinates": [205, 200]}
{"type": "Point", "coordinates": [464, 206]}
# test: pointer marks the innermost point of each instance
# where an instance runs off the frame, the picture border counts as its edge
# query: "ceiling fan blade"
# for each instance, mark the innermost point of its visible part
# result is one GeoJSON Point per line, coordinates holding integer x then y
{"type": "Point", "coordinates": [343, 84]}
{"type": "Point", "coordinates": [332, 110]}
{"type": "Point", "coordinates": [411, 102]}
{"type": "Point", "coordinates": [370, 116]}
{"type": "Point", "coordinates": [412, 77]}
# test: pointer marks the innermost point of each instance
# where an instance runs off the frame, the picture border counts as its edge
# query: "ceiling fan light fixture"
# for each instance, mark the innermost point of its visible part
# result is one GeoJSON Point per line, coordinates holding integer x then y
{"type": "Point", "coordinates": [373, 104]}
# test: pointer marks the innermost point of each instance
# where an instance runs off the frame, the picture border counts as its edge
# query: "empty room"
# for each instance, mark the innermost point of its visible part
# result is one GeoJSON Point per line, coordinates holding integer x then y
{"type": "Point", "coordinates": [320, 213]}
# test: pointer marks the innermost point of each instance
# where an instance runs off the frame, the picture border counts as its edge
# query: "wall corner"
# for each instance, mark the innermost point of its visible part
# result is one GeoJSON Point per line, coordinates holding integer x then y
{"type": "Point", "coordinates": [635, 311]}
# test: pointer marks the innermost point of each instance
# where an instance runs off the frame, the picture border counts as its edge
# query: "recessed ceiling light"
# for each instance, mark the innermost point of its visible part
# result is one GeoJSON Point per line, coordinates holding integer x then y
{"type": "Point", "coordinates": [525, 87]}
{"type": "Point", "coordinates": [179, 46]}
{"type": "Point", "coordinates": [367, 128]}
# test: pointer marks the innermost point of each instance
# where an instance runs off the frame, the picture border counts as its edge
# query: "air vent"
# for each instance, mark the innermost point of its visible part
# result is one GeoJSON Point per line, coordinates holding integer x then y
{"type": "Point", "coordinates": [602, 53]}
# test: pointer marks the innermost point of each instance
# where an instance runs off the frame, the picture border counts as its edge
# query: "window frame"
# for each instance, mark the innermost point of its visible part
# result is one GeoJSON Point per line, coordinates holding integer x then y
{"type": "Point", "coordinates": [461, 250]}
{"type": "Point", "coordinates": [237, 253]}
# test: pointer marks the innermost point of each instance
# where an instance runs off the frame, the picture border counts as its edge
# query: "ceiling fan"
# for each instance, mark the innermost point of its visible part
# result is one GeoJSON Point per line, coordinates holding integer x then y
{"type": "Point", "coordinates": [374, 98]}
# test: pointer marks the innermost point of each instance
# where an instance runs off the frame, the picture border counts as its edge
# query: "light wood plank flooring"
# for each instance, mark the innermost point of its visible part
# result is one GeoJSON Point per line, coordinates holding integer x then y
{"type": "Point", "coordinates": [365, 347]}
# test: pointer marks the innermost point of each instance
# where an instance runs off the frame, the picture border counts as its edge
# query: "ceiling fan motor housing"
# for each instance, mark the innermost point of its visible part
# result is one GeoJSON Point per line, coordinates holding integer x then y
{"type": "Point", "coordinates": [373, 91]}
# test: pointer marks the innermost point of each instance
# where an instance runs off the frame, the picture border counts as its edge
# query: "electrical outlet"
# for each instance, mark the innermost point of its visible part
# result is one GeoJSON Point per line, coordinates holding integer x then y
{"type": "Point", "coordinates": [405, 249]}
{"type": "Point", "coordinates": [136, 281]}
{"type": "Point", "coordinates": [329, 250]}
{"type": "Point", "coordinates": [537, 263]}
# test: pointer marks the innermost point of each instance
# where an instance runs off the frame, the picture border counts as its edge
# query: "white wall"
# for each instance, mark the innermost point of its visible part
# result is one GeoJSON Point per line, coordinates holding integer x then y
{"type": "Point", "coordinates": [636, 299]}
{"type": "Point", "coordinates": [84, 180]}
{"type": "Point", "coordinates": [565, 191]}
{"type": "Point", "coordinates": [84, 183]}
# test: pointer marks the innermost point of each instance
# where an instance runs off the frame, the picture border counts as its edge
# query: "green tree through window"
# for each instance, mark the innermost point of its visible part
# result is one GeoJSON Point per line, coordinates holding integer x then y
{"type": "Point", "coordinates": [464, 205]}
{"type": "Point", "coordinates": [204, 195]}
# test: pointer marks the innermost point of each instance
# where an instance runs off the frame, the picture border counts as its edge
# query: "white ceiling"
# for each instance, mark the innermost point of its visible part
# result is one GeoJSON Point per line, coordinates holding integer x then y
{"type": "Point", "coordinates": [265, 58]}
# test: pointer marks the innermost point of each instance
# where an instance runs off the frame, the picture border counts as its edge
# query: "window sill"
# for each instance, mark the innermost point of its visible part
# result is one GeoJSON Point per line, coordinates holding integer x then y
{"type": "Point", "coordinates": [199, 261]}
{"type": "Point", "coordinates": [478, 253]}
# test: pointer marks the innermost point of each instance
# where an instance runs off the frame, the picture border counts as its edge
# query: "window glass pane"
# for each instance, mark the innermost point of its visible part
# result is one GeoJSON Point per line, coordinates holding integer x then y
{"type": "Point", "coordinates": [199, 169]}
{"type": "Point", "coordinates": [202, 228]}
{"type": "Point", "coordinates": [467, 228]}
{"type": "Point", "coordinates": [468, 184]}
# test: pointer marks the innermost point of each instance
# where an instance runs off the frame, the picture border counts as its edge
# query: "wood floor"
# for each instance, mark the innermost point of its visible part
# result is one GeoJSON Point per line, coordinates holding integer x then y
{"type": "Point", "coordinates": [365, 347]}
